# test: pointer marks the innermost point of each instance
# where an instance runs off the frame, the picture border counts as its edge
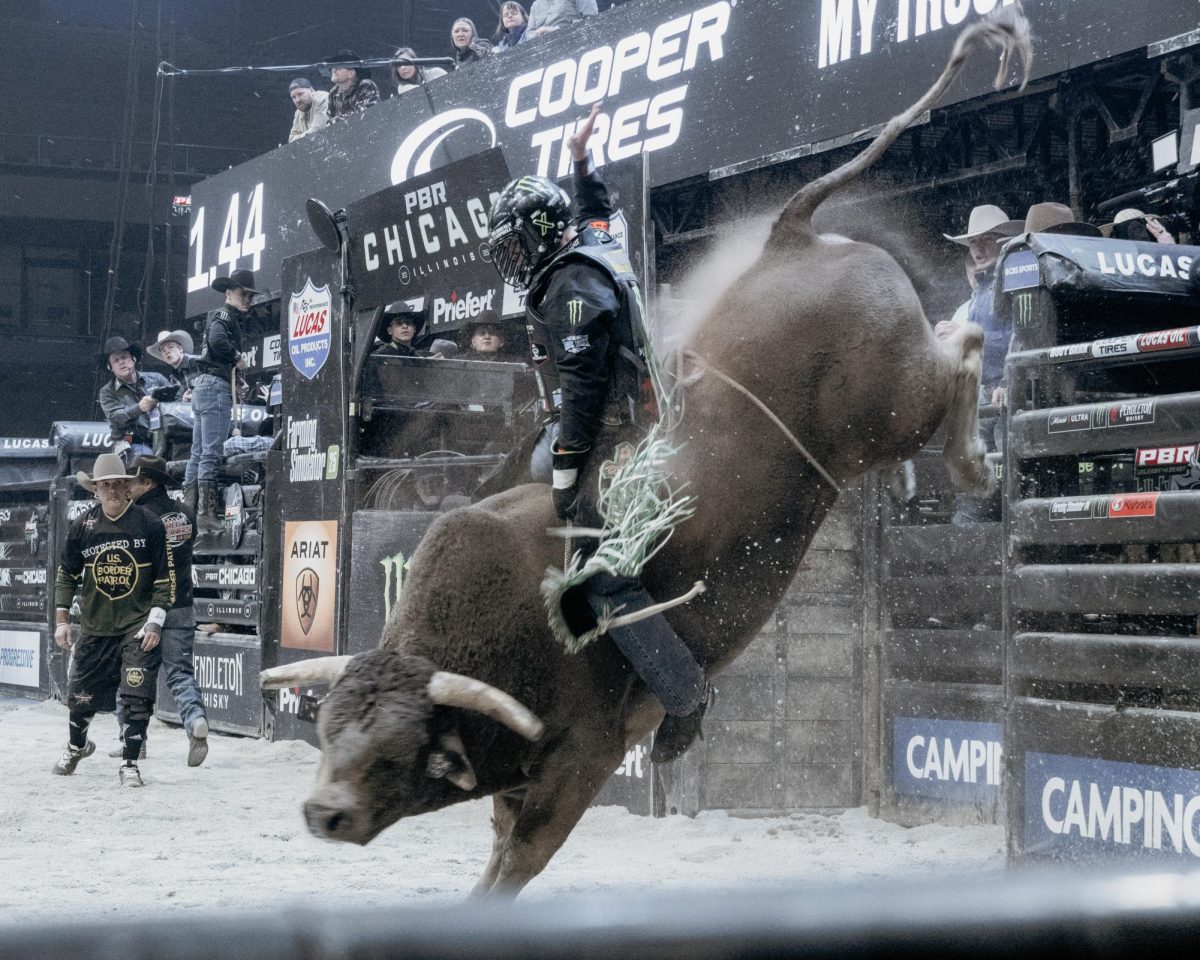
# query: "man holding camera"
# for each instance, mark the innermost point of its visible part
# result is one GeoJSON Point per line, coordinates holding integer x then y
{"type": "Point", "coordinates": [212, 393]}
{"type": "Point", "coordinates": [130, 400]}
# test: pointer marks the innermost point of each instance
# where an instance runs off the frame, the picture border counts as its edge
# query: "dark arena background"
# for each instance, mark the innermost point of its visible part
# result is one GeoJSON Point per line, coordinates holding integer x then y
{"type": "Point", "coordinates": [950, 684]}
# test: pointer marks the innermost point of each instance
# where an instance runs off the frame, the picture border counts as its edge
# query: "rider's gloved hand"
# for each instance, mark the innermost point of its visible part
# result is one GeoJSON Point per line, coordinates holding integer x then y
{"type": "Point", "coordinates": [567, 466]}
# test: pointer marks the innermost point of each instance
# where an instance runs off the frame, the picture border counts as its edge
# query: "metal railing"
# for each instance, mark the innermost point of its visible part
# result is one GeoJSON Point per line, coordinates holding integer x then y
{"type": "Point", "coordinates": [84, 153]}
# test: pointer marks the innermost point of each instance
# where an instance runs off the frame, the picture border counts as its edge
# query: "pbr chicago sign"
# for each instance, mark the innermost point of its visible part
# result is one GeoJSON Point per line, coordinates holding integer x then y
{"type": "Point", "coordinates": [309, 329]}
{"type": "Point", "coordinates": [428, 237]}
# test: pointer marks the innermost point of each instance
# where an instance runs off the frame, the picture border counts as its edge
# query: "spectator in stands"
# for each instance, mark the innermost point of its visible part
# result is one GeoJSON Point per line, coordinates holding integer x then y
{"type": "Point", "coordinates": [987, 227]}
{"type": "Point", "coordinates": [398, 329]}
{"type": "Point", "coordinates": [484, 337]}
{"type": "Point", "coordinates": [547, 16]}
{"type": "Point", "coordinates": [312, 108]}
{"type": "Point", "coordinates": [212, 393]}
{"type": "Point", "coordinates": [149, 489]}
{"type": "Point", "coordinates": [1131, 224]}
{"type": "Point", "coordinates": [511, 28]}
{"type": "Point", "coordinates": [174, 348]}
{"type": "Point", "coordinates": [353, 89]}
{"type": "Point", "coordinates": [130, 409]}
{"type": "Point", "coordinates": [468, 45]}
{"type": "Point", "coordinates": [409, 76]}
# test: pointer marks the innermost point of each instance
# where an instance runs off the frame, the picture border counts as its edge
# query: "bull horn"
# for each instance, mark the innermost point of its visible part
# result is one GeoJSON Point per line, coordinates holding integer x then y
{"type": "Point", "coordinates": [455, 690]}
{"type": "Point", "coordinates": [304, 673]}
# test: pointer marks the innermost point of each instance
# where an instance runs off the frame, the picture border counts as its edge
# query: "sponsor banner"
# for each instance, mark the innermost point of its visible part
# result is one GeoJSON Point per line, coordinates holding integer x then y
{"type": "Point", "coordinates": [1120, 506]}
{"type": "Point", "coordinates": [309, 327]}
{"type": "Point", "coordinates": [428, 236]}
{"type": "Point", "coordinates": [1100, 416]}
{"type": "Point", "coordinates": [23, 604]}
{"type": "Point", "coordinates": [382, 545]}
{"type": "Point", "coordinates": [306, 459]}
{"type": "Point", "coordinates": [1071, 351]}
{"type": "Point", "coordinates": [272, 351]}
{"type": "Point", "coordinates": [226, 669]}
{"type": "Point", "coordinates": [959, 761]}
{"type": "Point", "coordinates": [1177, 339]}
{"type": "Point", "coordinates": [80, 437]}
{"type": "Point", "coordinates": [1132, 505]}
{"type": "Point", "coordinates": [309, 590]}
{"type": "Point", "coordinates": [20, 658]}
{"type": "Point", "coordinates": [1019, 271]}
{"type": "Point", "coordinates": [27, 448]}
{"type": "Point", "coordinates": [1076, 806]}
{"type": "Point", "coordinates": [22, 576]}
{"type": "Point", "coordinates": [631, 784]}
{"type": "Point", "coordinates": [232, 576]}
{"type": "Point", "coordinates": [226, 611]}
{"type": "Point", "coordinates": [682, 81]}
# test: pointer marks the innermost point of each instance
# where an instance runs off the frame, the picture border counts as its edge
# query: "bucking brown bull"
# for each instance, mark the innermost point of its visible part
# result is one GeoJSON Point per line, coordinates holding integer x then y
{"type": "Point", "coordinates": [469, 694]}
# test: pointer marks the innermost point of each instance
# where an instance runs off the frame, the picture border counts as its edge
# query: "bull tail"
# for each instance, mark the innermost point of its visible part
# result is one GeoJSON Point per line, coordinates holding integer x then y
{"type": "Point", "coordinates": [1007, 28]}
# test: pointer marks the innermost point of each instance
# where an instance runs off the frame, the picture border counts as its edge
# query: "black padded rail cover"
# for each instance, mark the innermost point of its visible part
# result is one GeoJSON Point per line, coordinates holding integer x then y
{"type": "Point", "coordinates": [1092, 428]}
{"type": "Point", "coordinates": [1079, 267]}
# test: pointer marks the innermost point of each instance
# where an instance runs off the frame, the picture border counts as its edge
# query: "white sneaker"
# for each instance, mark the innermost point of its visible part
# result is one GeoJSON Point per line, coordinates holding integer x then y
{"type": "Point", "coordinates": [70, 759]}
{"type": "Point", "coordinates": [131, 776]}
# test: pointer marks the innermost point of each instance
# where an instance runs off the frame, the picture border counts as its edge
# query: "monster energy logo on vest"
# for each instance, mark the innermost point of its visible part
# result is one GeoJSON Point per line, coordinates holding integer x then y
{"type": "Point", "coordinates": [629, 345]}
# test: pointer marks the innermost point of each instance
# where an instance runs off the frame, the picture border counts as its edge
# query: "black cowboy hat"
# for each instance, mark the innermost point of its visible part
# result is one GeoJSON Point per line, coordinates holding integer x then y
{"type": "Point", "coordinates": [412, 309]}
{"type": "Point", "coordinates": [153, 468]}
{"type": "Point", "coordinates": [349, 56]}
{"type": "Point", "coordinates": [241, 279]}
{"type": "Point", "coordinates": [116, 345]}
{"type": "Point", "coordinates": [486, 318]}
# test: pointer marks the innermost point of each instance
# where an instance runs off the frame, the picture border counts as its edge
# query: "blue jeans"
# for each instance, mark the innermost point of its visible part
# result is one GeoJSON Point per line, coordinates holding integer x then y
{"type": "Point", "coordinates": [212, 404]}
{"type": "Point", "coordinates": [177, 635]}
{"type": "Point", "coordinates": [178, 632]}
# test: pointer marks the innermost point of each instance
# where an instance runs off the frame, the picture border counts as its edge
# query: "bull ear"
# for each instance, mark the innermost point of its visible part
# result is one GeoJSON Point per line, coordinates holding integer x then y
{"type": "Point", "coordinates": [450, 762]}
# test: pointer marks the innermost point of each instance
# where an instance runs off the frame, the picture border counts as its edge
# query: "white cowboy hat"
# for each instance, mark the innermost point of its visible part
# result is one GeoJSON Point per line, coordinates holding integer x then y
{"type": "Point", "coordinates": [1123, 216]}
{"type": "Point", "coordinates": [986, 219]}
{"type": "Point", "coordinates": [108, 466]}
{"type": "Point", "coordinates": [181, 337]}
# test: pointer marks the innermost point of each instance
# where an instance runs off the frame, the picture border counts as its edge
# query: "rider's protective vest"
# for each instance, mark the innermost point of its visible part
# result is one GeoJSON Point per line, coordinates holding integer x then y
{"type": "Point", "coordinates": [631, 392]}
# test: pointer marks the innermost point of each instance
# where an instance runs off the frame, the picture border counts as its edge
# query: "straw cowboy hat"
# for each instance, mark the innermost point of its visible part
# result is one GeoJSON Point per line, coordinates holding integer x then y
{"type": "Point", "coordinates": [181, 337]}
{"type": "Point", "coordinates": [1123, 216]}
{"type": "Point", "coordinates": [1052, 217]}
{"type": "Point", "coordinates": [984, 219]}
{"type": "Point", "coordinates": [108, 466]}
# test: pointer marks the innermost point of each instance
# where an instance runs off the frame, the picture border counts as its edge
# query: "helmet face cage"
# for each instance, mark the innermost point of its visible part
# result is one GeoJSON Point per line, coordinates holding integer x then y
{"type": "Point", "coordinates": [527, 222]}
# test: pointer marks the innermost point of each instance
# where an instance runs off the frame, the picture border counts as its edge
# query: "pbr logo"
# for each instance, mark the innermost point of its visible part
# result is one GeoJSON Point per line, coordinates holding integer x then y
{"type": "Point", "coordinates": [308, 587]}
{"type": "Point", "coordinates": [309, 328]}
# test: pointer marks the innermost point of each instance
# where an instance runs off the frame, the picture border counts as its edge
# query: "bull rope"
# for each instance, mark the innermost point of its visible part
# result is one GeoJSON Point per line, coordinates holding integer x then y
{"type": "Point", "coordinates": [707, 367]}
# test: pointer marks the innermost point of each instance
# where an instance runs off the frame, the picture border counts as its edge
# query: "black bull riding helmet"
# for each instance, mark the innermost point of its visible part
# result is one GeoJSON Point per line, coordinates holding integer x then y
{"type": "Point", "coordinates": [527, 222]}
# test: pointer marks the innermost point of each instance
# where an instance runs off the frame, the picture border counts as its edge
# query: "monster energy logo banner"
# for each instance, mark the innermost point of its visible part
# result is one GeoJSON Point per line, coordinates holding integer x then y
{"type": "Point", "coordinates": [394, 568]}
{"type": "Point", "coordinates": [1023, 309]}
{"type": "Point", "coordinates": [574, 311]}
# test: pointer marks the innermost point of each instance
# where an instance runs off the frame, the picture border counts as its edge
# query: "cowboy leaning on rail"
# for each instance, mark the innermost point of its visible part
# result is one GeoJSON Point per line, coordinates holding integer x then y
{"type": "Point", "coordinates": [589, 350]}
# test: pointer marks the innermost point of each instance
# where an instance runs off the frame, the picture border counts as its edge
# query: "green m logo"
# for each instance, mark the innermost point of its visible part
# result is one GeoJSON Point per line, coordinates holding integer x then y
{"type": "Point", "coordinates": [394, 568]}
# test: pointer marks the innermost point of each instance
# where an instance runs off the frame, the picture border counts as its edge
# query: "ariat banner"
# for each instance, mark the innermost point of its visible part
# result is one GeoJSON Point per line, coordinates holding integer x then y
{"type": "Point", "coordinates": [309, 592]}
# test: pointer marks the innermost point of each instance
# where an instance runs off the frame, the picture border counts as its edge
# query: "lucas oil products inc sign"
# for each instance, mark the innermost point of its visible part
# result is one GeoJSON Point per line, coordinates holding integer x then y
{"type": "Point", "coordinates": [698, 85]}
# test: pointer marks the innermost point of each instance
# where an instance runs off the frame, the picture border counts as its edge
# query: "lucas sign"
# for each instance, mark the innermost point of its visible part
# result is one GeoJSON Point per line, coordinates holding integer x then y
{"type": "Point", "coordinates": [309, 329]}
